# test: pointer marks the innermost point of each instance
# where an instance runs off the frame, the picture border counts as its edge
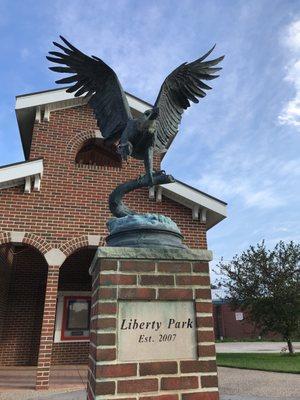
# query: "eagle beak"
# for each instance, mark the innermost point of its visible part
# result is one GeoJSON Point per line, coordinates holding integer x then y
{"type": "Point", "coordinates": [154, 113]}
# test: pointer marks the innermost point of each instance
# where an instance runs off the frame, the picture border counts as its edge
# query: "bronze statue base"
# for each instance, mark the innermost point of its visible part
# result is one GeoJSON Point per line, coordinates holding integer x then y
{"type": "Point", "coordinates": [144, 230]}
{"type": "Point", "coordinates": [146, 238]}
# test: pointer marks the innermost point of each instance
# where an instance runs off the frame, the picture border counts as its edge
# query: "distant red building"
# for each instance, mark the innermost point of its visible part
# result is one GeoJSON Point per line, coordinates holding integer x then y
{"type": "Point", "coordinates": [231, 324]}
{"type": "Point", "coordinates": [234, 324]}
{"type": "Point", "coordinates": [53, 213]}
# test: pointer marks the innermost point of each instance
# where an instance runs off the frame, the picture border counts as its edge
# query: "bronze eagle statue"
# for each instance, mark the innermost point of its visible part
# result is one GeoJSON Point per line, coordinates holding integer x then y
{"type": "Point", "coordinates": [155, 128]}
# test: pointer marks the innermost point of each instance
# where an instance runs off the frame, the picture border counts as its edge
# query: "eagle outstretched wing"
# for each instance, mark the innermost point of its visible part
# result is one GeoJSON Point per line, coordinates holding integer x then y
{"type": "Point", "coordinates": [96, 79]}
{"type": "Point", "coordinates": [183, 85]}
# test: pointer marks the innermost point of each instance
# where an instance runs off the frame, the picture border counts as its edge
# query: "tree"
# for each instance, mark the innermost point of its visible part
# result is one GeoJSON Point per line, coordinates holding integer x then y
{"type": "Point", "coordinates": [266, 285]}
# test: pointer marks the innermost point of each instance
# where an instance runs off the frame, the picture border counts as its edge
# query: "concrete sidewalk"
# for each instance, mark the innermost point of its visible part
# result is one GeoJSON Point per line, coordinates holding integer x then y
{"type": "Point", "coordinates": [245, 384]}
{"type": "Point", "coordinates": [47, 395]}
{"type": "Point", "coordinates": [62, 377]}
{"type": "Point", "coordinates": [253, 347]}
{"type": "Point", "coordinates": [76, 395]}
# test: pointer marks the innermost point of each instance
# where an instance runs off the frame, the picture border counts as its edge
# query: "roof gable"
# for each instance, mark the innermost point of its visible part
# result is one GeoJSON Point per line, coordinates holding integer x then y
{"type": "Point", "coordinates": [38, 106]}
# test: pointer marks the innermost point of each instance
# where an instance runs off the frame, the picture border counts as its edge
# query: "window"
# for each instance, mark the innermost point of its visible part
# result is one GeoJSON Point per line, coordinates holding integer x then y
{"type": "Point", "coordinates": [76, 318]}
{"type": "Point", "coordinates": [96, 152]}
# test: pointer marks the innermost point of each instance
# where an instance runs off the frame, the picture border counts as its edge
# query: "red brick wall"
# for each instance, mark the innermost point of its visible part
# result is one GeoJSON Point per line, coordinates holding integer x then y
{"type": "Point", "coordinates": [73, 199]}
{"type": "Point", "coordinates": [70, 353]}
{"type": "Point", "coordinates": [22, 322]}
{"type": "Point", "coordinates": [229, 327]}
{"type": "Point", "coordinates": [226, 325]}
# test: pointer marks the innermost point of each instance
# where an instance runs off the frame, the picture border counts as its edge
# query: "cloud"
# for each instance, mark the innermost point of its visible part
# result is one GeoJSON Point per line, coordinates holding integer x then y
{"type": "Point", "coordinates": [128, 43]}
{"type": "Point", "coordinates": [290, 114]}
{"type": "Point", "coordinates": [248, 192]}
{"type": "Point", "coordinates": [291, 168]}
{"type": "Point", "coordinates": [243, 173]}
{"type": "Point", "coordinates": [25, 53]}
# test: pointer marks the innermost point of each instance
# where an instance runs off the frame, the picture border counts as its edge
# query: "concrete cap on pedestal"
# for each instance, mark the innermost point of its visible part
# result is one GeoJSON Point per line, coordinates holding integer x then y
{"type": "Point", "coordinates": [138, 253]}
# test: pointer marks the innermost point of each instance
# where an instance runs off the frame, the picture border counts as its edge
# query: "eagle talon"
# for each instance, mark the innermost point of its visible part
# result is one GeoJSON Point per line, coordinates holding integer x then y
{"type": "Point", "coordinates": [147, 177]}
{"type": "Point", "coordinates": [160, 172]}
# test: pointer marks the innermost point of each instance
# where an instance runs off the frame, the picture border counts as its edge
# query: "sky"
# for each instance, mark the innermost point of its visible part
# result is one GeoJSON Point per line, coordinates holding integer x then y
{"type": "Point", "coordinates": [240, 143]}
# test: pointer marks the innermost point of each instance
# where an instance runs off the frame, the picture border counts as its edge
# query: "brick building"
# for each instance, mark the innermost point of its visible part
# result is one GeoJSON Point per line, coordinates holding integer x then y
{"type": "Point", "coordinates": [232, 324]}
{"type": "Point", "coordinates": [53, 210]}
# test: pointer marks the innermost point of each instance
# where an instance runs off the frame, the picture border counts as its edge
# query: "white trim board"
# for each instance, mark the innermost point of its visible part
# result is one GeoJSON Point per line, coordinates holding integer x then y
{"type": "Point", "coordinates": [22, 173]}
{"type": "Point", "coordinates": [58, 95]}
{"type": "Point", "coordinates": [204, 208]}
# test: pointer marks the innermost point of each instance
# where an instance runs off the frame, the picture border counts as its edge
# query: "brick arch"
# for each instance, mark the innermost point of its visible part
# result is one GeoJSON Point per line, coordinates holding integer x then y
{"type": "Point", "coordinates": [76, 141]}
{"type": "Point", "coordinates": [35, 241]}
{"type": "Point", "coordinates": [79, 242]}
{"type": "Point", "coordinates": [5, 237]}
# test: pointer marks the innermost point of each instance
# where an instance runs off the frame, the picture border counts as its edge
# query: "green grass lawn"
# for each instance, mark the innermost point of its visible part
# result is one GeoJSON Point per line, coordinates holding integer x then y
{"type": "Point", "coordinates": [261, 361]}
{"type": "Point", "coordinates": [229, 340]}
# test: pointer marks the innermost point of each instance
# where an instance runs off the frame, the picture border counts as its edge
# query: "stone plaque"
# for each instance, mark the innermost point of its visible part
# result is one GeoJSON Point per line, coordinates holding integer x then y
{"type": "Point", "coordinates": [156, 330]}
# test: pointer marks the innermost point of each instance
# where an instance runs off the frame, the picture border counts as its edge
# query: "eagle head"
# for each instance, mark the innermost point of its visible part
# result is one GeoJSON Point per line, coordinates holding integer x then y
{"type": "Point", "coordinates": [151, 114]}
{"type": "Point", "coordinates": [147, 121]}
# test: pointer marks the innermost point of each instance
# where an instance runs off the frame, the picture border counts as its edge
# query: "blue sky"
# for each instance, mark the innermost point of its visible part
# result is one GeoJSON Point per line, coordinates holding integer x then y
{"type": "Point", "coordinates": [241, 143]}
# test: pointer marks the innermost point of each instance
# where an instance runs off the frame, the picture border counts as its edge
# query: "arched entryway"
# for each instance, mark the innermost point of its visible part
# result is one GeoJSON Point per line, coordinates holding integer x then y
{"type": "Point", "coordinates": [23, 276]}
{"type": "Point", "coordinates": [71, 337]}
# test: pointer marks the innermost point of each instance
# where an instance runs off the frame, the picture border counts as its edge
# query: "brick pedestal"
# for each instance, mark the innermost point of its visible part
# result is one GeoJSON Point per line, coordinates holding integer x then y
{"type": "Point", "coordinates": [150, 275]}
